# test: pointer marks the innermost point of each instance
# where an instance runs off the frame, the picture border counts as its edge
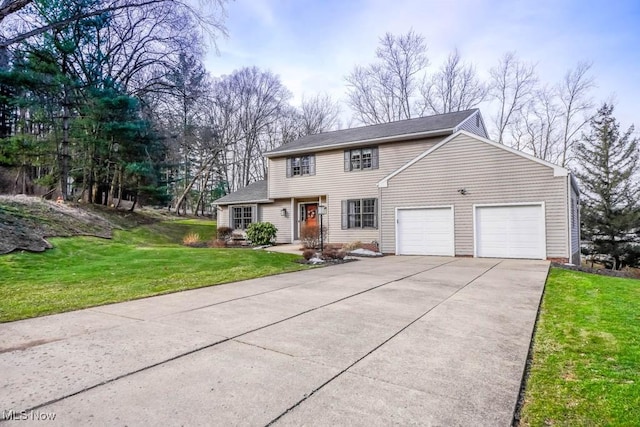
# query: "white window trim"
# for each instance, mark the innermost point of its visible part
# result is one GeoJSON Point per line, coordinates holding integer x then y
{"type": "Point", "coordinates": [376, 213]}
{"type": "Point", "coordinates": [254, 215]}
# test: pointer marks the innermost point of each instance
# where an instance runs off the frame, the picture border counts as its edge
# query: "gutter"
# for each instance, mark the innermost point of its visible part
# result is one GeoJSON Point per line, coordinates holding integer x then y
{"type": "Point", "coordinates": [241, 202]}
{"type": "Point", "coordinates": [404, 137]}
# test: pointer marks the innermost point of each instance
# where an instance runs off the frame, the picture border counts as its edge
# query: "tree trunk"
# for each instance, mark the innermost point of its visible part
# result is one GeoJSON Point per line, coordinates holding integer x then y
{"type": "Point", "coordinates": [64, 145]}
{"type": "Point", "coordinates": [135, 196]}
{"type": "Point", "coordinates": [120, 176]}
{"type": "Point", "coordinates": [183, 196]}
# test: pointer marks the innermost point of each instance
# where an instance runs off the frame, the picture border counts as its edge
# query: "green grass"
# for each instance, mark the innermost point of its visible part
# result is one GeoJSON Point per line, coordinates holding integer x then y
{"type": "Point", "coordinates": [586, 360]}
{"type": "Point", "coordinates": [82, 272]}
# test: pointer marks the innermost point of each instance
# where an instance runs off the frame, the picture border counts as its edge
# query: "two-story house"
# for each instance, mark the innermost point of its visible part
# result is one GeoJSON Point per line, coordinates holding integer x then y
{"type": "Point", "coordinates": [430, 186]}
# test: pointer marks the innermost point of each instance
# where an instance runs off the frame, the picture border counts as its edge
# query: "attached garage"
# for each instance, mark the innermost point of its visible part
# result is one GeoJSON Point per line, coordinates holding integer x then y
{"type": "Point", "coordinates": [477, 198]}
{"type": "Point", "coordinates": [425, 231]}
{"type": "Point", "coordinates": [510, 231]}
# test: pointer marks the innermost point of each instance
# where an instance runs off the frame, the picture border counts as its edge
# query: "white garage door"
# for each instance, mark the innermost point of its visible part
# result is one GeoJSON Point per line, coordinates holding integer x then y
{"type": "Point", "coordinates": [510, 231]}
{"type": "Point", "coordinates": [425, 231]}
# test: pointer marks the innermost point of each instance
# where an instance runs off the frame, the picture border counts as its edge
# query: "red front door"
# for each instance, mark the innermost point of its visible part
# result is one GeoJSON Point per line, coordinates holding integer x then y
{"type": "Point", "coordinates": [310, 215]}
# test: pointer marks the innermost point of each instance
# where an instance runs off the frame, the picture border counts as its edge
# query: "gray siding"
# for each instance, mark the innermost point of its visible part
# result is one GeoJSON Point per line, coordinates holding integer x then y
{"type": "Point", "coordinates": [333, 182]}
{"type": "Point", "coordinates": [271, 212]}
{"type": "Point", "coordinates": [474, 125]}
{"type": "Point", "coordinates": [223, 216]}
{"type": "Point", "coordinates": [490, 175]}
{"type": "Point", "coordinates": [267, 212]}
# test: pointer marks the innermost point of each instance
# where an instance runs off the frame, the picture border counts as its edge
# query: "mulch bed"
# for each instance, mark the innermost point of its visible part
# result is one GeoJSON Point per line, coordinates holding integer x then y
{"type": "Point", "coordinates": [600, 271]}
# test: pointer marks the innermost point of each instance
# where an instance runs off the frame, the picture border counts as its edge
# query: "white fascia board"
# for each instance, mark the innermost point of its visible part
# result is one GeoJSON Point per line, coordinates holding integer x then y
{"type": "Point", "coordinates": [406, 136]}
{"type": "Point", "coordinates": [557, 170]}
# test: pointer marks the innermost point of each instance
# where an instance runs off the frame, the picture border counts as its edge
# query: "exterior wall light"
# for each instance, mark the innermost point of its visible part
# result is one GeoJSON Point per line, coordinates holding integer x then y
{"type": "Point", "coordinates": [462, 191]}
{"type": "Point", "coordinates": [283, 212]}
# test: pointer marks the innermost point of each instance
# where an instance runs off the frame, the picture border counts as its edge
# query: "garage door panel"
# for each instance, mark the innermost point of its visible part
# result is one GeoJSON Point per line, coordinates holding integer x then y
{"type": "Point", "coordinates": [425, 231]}
{"type": "Point", "coordinates": [510, 231]}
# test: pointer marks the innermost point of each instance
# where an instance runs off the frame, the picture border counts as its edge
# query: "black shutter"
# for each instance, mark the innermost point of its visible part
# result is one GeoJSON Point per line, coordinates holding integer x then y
{"type": "Point", "coordinates": [374, 158]}
{"type": "Point", "coordinates": [288, 167]}
{"type": "Point", "coordinates": [347, 161]}
{"type": "Point", "coordinates": [345, 214]}
{"type": "Point", "coordinates": [375, 211]}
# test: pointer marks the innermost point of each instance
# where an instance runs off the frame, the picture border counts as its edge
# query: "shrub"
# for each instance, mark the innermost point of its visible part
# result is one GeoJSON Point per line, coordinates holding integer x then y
{"type": "Point", "coordinates": [224, 233]}
{"type": "Point", "coordinates": [219, 243]}
{"type": "Point", "coordinates": [333, 253]}
{"type": "Point", "coordinates": [308, 254]}
{"type": "Point", "coordinates": [329, 253]}
{"type": "Point", "coordinates": [261, 233]}
{"type": "Point", "coordinates": [191, 239]}
{"type": "Point", "coordinates": [310, 236]}
{"type": "Point", "coordinates": [352, 246]}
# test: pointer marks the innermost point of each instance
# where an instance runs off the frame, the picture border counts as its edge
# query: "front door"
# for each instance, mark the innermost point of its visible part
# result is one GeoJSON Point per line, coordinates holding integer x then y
{"type": "Point", "coordinates": [310, 214]}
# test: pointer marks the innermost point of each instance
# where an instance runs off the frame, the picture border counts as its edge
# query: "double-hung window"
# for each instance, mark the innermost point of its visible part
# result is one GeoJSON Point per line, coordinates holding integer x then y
{"type": "Point", "coordinates": [242, 216]}
{"type": "Point", "coordinates": [359, 159]}
{"type": "Point", "coordinates": [360, 213]}
{"type": "Point", "coordinates": [301, 165]}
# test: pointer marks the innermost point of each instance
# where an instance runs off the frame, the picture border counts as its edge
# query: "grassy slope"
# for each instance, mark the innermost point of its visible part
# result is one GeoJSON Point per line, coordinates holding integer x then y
{"type": "Point", "coordinates": [586, 362]}
{"type": "Point", "coordinates": [86, 271]}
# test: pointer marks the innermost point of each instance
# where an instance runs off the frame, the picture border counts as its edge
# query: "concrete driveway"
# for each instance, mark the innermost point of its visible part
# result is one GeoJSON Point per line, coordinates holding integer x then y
{"type": "Point", "coordinates": [396, 340]}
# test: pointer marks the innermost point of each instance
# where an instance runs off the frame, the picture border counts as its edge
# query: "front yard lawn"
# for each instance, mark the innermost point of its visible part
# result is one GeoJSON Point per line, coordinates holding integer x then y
{"type": "Point", "coordinates": [82, 272]}
{"type": "Point", "coordinates": [586, 358]}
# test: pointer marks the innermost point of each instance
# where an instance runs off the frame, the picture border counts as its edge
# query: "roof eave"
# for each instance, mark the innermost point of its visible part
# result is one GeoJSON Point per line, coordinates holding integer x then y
{"type": "Point", "coordinates": [395, 138]}
{"type": "Point", "coordinates": [241, 202]}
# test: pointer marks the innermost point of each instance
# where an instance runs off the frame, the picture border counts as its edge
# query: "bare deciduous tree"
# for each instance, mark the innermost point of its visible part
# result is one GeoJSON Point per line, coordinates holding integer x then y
{"type": "Point", "coordinates": [577, 105]}
{"type": "Point", "coordinates": [385, 90]}
{"type": "Point", "coordinates": [318, 114]}
{"type": "Point", "coordinates": [548, 122]}
{"type": "Point", "coordinates": [455, 87]}
{"type": "Point", "coordinates": [513, 83]}
{"type": "Point", "coordinates": [536, 127]}
{"type": "Point", "coordinates": [248, 103]}
{"type": "Point", "coordinates": [81, 9]}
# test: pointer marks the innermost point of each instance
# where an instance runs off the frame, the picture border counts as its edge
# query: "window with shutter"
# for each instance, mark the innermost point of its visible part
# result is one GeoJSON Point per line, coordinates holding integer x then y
{"type": "Point", "coordinates": [359, 159]}
{"type": "Point", "coordinates": [360, 213]}
{"type": "Point", "coordinates": [301, 165]}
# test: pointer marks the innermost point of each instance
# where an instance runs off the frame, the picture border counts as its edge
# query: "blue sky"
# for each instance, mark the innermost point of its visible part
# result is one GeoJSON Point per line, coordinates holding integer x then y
{"type": "Point", "coordinates": [312, 45]}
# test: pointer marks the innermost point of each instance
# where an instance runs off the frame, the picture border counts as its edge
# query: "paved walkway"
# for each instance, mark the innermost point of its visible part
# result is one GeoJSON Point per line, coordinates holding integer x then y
{"type": "Point", "coordinates": [397, 340]}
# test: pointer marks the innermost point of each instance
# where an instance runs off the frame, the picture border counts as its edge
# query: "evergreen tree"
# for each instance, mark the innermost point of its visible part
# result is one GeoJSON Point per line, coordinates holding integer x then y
{"type": "Point", "coordinates": [609, 166]}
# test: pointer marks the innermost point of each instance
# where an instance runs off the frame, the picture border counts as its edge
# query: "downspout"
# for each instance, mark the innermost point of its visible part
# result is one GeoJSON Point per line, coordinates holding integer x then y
{"type": "Point", "coordinates": [379, 207]}
{"type": "Point", "coordinates": [578, 211]}
{"type": "Point", "coordinates": [292, 209]}
{"type": "Point", "coordinates": [569, 222]}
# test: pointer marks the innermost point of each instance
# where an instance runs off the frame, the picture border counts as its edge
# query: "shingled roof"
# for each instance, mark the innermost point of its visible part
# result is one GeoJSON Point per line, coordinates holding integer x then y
{"type": "Point", "coordinates": [252, 193]}
{"type": "Point", "coordinates": [440, 124]}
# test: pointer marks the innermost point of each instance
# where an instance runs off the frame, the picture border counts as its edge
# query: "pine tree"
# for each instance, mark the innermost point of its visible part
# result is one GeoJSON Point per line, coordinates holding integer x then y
{"type": "Point", "coordinates": [609, 178]}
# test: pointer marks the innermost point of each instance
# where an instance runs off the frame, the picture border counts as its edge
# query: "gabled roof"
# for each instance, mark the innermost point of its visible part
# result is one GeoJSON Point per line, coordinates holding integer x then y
{"type": "Point", "coordinates": [252, 193]}
{"type": "Point", "coordinates": [557, 170]}
{"type": "Point", "coordinates": [440, 124]}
